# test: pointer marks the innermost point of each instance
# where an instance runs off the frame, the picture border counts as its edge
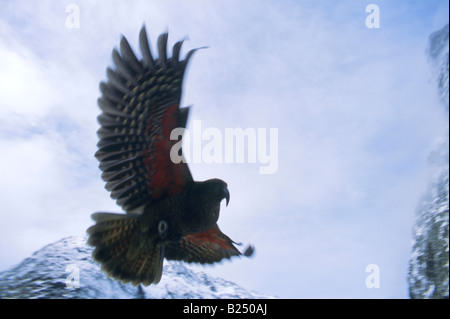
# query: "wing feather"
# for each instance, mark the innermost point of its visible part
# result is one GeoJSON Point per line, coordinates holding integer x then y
{"type": "Point", "coordinates": [140, 107]}
{"type": "Point", "coordinates": [129, 56]}
{"type": "Point", "coordinates": [147, 58]}
{"type": "Point", "coordinates": [207, 247]}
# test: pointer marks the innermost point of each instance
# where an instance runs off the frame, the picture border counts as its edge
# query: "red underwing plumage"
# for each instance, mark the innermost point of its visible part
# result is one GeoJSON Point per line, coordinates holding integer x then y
{"type": "Point", "coordinates": [213, 236]}
{"type": "Point", "coordinates": [168, 178]}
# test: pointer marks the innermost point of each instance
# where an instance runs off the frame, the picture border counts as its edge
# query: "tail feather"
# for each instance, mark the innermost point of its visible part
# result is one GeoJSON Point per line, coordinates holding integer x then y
{"type": "Point", "coordinates": [110, 228]}
{"type": "Point", "coordinates": [148, 269]}
{"type": "Point", "coordinates": [112, 238]}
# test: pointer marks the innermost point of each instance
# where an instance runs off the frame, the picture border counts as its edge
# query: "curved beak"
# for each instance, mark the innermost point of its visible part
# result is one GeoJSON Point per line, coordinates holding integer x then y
{"type": "Point", "coordinates": [226, 194]}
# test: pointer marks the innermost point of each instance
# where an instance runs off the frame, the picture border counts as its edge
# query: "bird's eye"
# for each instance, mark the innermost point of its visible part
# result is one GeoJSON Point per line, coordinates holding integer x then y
{"type": "Point", "coordinates": [163, 227]}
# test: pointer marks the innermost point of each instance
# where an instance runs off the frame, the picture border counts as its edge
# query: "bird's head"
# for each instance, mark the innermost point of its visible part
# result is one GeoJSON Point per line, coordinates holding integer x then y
{"type": "Point", "coordinates": [217, 189]}
{"type": "Point", "coordinates": [205, 198]}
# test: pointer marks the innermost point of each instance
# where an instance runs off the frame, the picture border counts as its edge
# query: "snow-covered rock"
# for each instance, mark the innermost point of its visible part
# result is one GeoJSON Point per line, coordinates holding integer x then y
{"type": "Point", "coordinates": [428, 267]}
{"type": "Point", "coordinates": [438, 53]}
{"type": "Point", "coordinates": [65, 269]}
{"type": "Point", "coordinates": [428, 270]}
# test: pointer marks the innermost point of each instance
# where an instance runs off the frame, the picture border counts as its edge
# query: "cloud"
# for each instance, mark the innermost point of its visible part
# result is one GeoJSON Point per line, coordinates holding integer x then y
{"type": "Point", "coordinates": [353, 107]}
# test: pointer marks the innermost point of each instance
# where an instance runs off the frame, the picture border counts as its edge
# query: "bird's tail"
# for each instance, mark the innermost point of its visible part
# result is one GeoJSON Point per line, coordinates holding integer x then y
{"type": "Point", "coordinates": [112, 238]}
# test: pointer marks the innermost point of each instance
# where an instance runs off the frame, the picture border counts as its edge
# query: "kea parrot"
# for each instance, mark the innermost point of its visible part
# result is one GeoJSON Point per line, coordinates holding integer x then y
{"type": "Point", "coordinates": [168, 214]}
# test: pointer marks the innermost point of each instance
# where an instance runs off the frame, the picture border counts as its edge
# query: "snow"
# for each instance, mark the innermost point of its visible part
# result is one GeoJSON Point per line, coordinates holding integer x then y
{"type": "Point", "coordinates": [65, 269]}
{"type": "Point", "coordinates": [429, 264]}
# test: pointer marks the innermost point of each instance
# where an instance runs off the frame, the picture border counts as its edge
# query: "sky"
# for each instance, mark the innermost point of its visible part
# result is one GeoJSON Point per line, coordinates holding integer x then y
{"type": "Point", "coordinates": [355, 111]}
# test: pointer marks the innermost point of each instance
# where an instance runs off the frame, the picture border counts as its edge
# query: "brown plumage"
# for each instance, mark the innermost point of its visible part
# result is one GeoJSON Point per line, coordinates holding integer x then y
{"type": "Point", "coordinates": [169, 215]}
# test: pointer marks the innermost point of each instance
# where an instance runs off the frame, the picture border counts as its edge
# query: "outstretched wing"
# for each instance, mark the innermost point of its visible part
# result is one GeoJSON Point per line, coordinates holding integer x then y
{"type": "Point", "coordinates": [140, 108]}
{"type": "Point", "coordinates": [207, 247]}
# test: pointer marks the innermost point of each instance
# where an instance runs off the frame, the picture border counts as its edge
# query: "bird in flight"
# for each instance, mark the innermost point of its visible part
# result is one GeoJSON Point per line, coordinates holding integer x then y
{"type": "Point", "coordinates": [168, 214]}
